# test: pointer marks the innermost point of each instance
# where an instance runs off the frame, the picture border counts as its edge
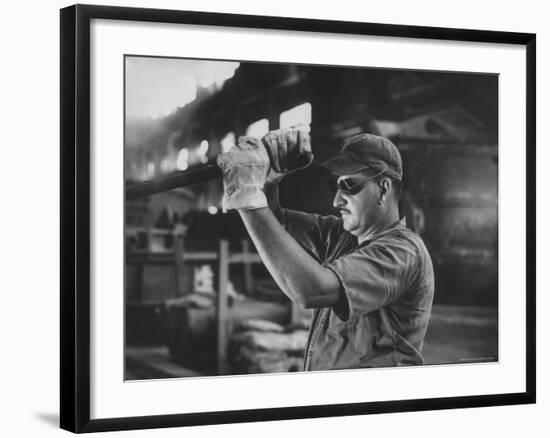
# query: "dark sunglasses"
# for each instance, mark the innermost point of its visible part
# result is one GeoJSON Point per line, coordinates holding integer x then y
{"type": "Point", "coordinates": [348, 186]}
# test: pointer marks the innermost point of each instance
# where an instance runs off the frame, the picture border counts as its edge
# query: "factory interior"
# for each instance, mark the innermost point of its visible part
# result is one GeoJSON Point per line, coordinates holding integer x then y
{"type": "Point", "coordinates": [198, 300]}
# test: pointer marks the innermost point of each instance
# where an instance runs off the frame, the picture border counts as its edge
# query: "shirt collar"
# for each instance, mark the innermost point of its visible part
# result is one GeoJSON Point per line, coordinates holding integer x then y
{"type": "Point", "coordinates": [397, 225]}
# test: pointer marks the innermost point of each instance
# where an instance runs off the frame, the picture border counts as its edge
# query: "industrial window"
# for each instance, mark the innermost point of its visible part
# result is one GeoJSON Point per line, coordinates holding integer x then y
{"type": "Point", "coordinates": [258, 129]}
{"type": "Point", "coordinates": [202, 150]}
{"type": "Point", "coordinates": [151, 169]}
{"type": "Point", "coordinates": [298, 116]}
{"type": "Point", "coordinates": [228, 141]}
{"type": "Point", "coordinates": [182, 163]}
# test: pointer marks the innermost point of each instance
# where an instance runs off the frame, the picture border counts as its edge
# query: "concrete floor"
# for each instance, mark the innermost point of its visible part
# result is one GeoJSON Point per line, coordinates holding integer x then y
{"type": "Point", "coordinates": [461, 334]}
{"type": "Point", "coordinates": [457, 334]}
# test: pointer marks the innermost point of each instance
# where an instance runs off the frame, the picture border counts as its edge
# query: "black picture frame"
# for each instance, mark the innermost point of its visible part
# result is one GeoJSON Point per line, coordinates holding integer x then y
{"type": "Point", "coordinates": [75, 217]}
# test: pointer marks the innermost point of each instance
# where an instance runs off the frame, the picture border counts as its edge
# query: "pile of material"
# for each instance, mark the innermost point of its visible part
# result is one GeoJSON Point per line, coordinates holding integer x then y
{"type": "Point", "coordinates": [259, 346]}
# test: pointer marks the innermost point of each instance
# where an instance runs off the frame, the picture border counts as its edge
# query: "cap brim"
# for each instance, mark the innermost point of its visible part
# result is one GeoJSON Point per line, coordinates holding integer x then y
{"type": "Point", "coordinates": [343, 164]}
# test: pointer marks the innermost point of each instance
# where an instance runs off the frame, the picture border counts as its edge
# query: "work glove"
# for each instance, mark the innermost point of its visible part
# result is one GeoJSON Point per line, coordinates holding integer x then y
{"type": "Point", "coordinates": [289, 150]}
{"type": "Point", "coordinates": [244, 168]}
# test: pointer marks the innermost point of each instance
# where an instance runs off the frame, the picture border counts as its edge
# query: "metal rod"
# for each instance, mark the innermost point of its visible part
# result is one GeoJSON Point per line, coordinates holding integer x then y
{"type": "Point", "coordinates": [187, 177]}
{"type": "Point", "coordinates": [173, 180]}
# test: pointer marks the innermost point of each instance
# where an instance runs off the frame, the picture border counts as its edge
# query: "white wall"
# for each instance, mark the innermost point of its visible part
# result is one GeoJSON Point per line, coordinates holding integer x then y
{"type": "Point", "coordinates": [29, 170]}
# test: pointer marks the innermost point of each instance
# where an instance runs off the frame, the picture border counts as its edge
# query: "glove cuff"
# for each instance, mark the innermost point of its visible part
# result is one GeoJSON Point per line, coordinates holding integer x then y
{"type": "Point", "coordinates": [248, 197]}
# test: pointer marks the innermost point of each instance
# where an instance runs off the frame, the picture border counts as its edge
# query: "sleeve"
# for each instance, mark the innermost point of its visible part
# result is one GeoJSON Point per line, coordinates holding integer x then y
{"type": "Point", "coordinates": [311, 231]}
{"type": "Point", "coordinates": [374, 276]}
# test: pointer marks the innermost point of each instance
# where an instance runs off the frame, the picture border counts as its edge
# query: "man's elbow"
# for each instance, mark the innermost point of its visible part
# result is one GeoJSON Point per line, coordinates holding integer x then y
{"type": "Point", "coordinates": [301, 294]}
{"type": "Point", "coordinates": [313, 296]}
{"type": "Point", "coordinates": [306, 302]}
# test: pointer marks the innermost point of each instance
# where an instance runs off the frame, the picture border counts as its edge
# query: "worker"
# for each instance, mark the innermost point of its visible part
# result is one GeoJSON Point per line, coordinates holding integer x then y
{"type": "Point", "coordinates": [368, 278]}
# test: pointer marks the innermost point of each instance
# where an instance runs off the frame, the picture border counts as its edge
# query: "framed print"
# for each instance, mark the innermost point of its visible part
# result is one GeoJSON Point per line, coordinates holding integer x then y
{"type": "Point", "coordinates": [261, 215]}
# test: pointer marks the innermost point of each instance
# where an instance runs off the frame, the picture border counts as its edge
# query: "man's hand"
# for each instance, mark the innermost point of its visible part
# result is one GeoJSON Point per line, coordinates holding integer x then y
{"type": "Point", "coordinates": [245, 168]}
{"type": "Point", "coordinates": [253, 163]}
{"type": "Point", "coordinates": [289, 150]}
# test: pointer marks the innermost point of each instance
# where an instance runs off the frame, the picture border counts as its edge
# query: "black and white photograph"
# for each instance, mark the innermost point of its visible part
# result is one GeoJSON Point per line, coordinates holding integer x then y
{"type": "Point", "coordinates": [284, 217]}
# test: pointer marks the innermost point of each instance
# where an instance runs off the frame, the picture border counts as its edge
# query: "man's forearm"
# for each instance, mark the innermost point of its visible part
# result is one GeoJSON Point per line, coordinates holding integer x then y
{"type": "Point", "coordinates": [271, 191]}
{"type": "Point", "coordinates": [300, 277]}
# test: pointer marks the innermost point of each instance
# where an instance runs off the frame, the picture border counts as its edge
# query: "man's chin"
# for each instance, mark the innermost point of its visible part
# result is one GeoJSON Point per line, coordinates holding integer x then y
{"type": "Point", "coordinates": [348, 226]}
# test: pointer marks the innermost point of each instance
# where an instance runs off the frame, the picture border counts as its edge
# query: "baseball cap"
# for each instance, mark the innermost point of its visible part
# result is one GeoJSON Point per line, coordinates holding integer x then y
{"type": "Point", "coordinates": [367, 151]}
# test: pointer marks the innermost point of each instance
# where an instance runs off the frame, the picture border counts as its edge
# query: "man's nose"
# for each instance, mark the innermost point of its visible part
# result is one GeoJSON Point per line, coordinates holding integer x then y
{"type": "Point", "coordinates": [338, 200]}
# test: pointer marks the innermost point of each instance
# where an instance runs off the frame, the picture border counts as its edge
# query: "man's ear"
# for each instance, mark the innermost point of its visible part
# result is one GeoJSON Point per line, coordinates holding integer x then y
{"type": "Point", "coordinates": [385, 186]}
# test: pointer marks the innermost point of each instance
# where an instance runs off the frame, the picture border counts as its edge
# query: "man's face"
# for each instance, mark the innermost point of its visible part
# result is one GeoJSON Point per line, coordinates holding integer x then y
{"type": "Point", "coordinates": [360, 210]}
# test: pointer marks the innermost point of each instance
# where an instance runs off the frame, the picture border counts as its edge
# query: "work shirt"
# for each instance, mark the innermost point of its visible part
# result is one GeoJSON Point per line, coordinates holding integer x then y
{"type": "Point", "coordinates": [387, 287]}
